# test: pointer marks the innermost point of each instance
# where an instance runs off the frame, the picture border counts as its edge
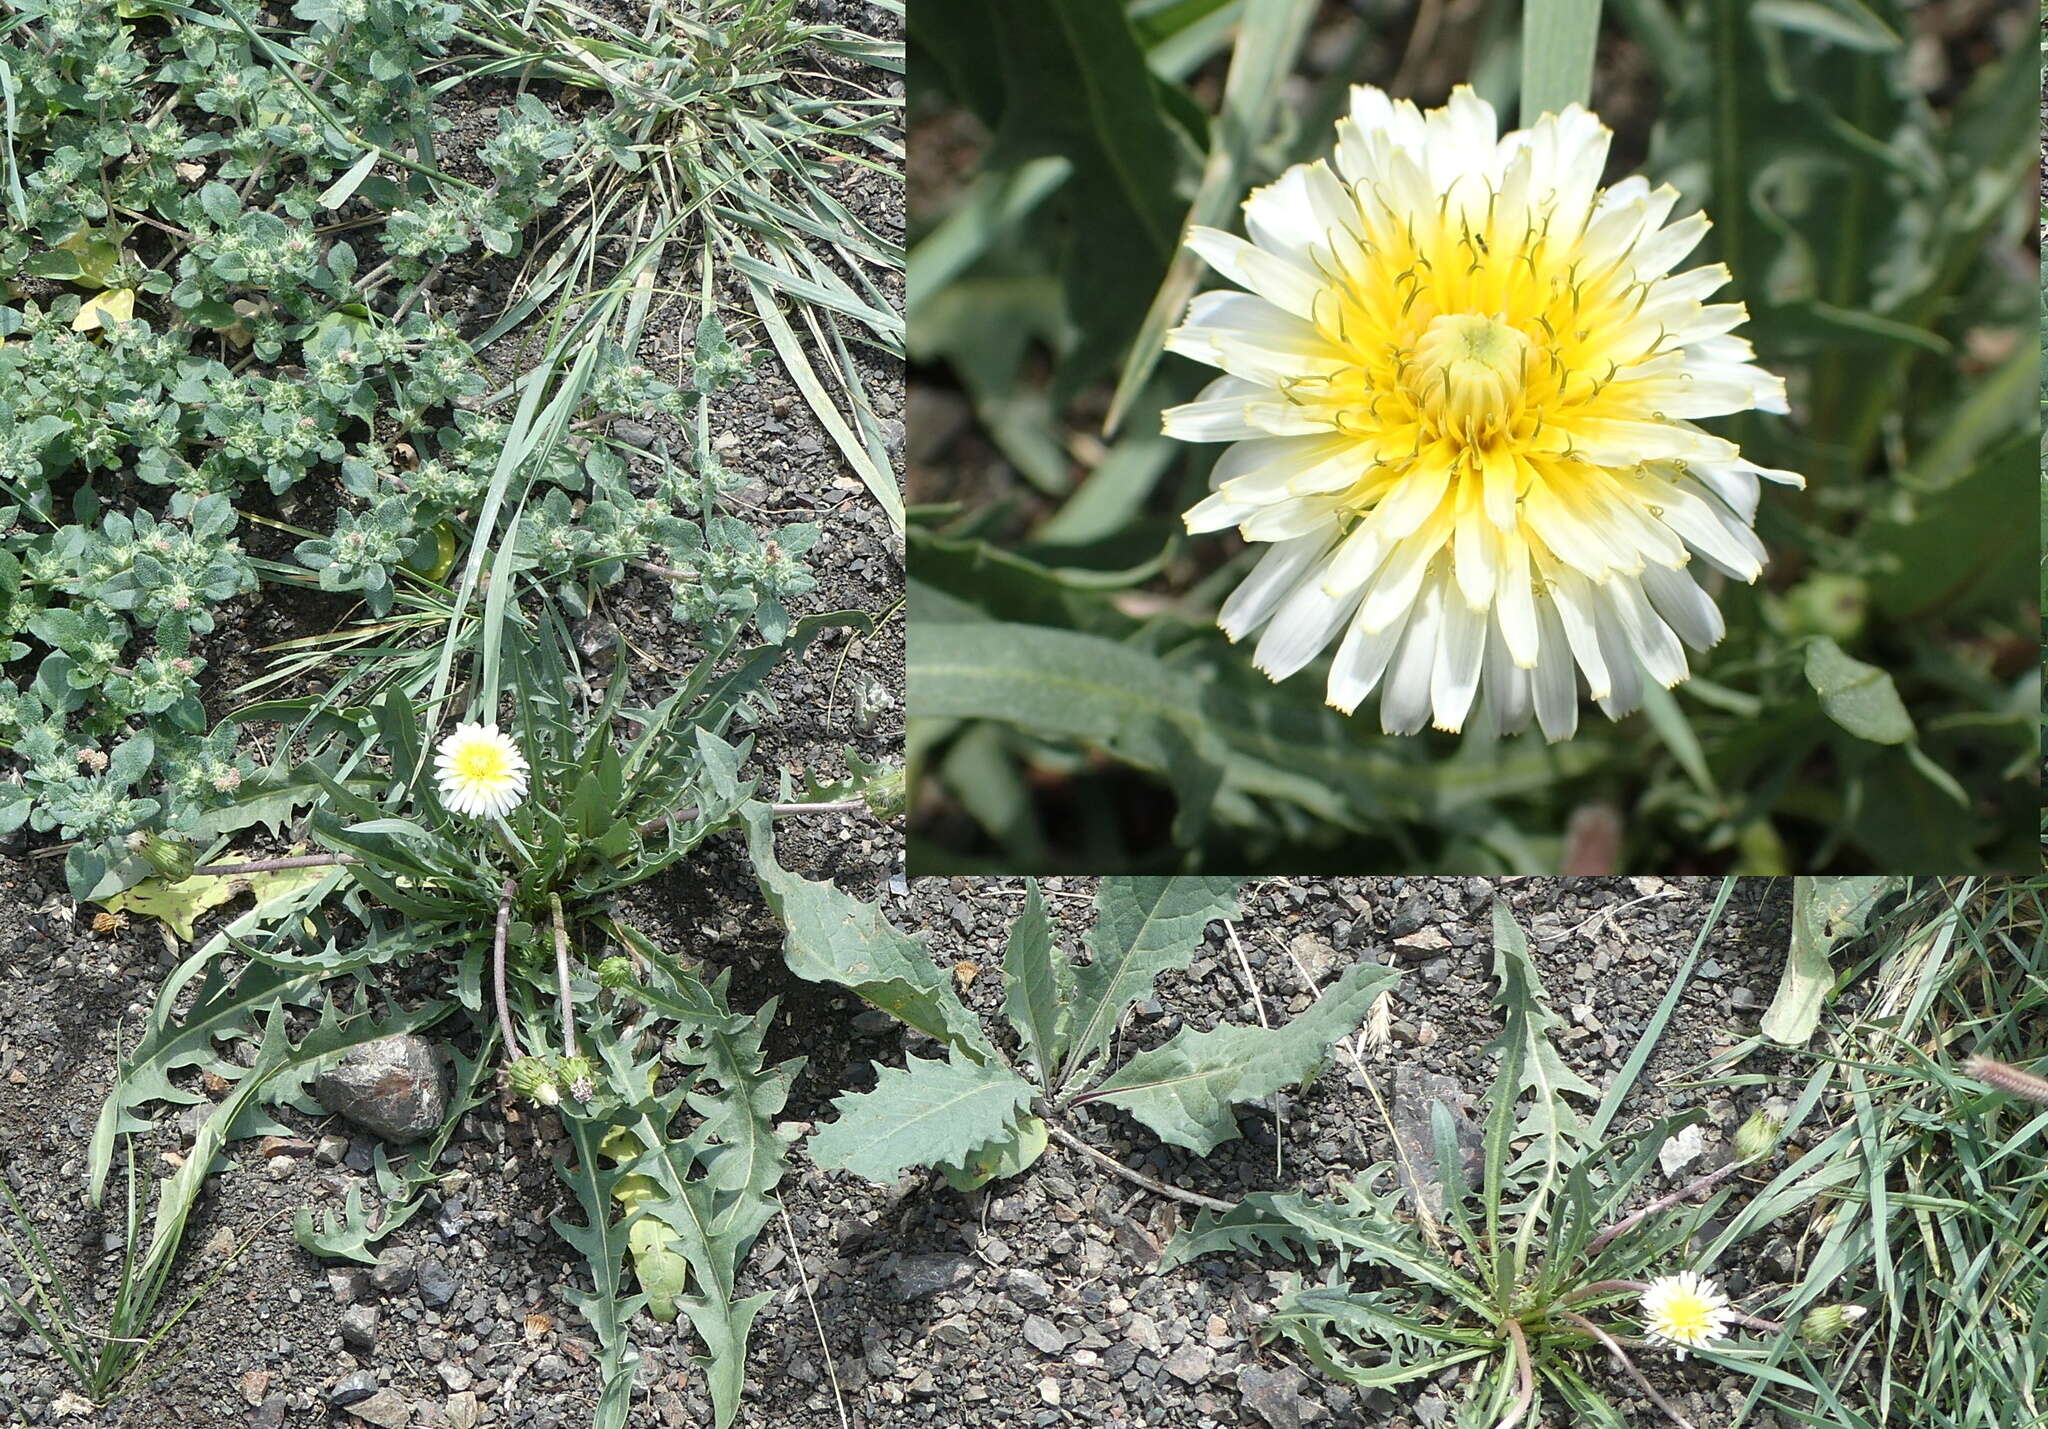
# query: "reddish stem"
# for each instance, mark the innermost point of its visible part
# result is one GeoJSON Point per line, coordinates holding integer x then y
{"type": "Point", "coordinates": [272, 865]}
{"type": "Point", "coordinates": [1663, 1203]}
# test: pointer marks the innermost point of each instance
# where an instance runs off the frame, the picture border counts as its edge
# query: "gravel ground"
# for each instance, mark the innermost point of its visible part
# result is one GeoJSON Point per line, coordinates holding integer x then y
{"type": "Point", "coordinates": [1033, 1302]}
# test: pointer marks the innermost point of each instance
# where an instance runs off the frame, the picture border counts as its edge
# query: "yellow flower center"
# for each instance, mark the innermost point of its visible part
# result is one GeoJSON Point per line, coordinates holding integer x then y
{"type": "Point", "coordinates": [1468, 374]}
{"type": "Point", "coordinates": [481, 762]}
{"type": "Point", "coordinates": [1686, 1317]}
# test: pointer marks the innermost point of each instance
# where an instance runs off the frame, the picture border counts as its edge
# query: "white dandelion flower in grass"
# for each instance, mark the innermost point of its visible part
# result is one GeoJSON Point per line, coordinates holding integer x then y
{"type": "Point", "coordinates": [1686, 1311]}
{"type": "Point", "coordinates": [1461, 392]}
{"type": "Point", "coordinates": [481, 772]}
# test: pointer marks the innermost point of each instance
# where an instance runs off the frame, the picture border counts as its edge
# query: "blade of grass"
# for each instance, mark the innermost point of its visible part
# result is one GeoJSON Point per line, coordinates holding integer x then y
{"type": "Point", "coordinates": [1557, 55]}
{"type": "Point", "coordinates": [1268, 47]}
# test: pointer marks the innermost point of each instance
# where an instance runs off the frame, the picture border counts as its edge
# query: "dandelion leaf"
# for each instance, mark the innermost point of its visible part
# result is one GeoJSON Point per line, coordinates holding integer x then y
{"type": "Point", "coordinates": [1143, 927]}
{"type": "Point", "coordinates": [1186, 1089]}
{"type": "Point", "coordinates": [927, 1113]}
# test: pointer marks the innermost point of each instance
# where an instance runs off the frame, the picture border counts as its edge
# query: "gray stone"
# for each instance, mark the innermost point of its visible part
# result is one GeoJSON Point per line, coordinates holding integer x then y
{"type": "Point", "coordinates": [270, 1413]}
{"type": "Point", "coordinates": [393, 1087]}
{"type": "Point", "coordinates": [353, 1390]}
{"type": "Point", "coordinates": [1043, 1335]}
{"type": "Point", "coordinates": [920, 1275]}
{"type": "Point", "coordinates": [1275, 1398]}
{"type": "Point", "coordinates": [1413, 913]}
{"type": "Point", "coordinates": [436, 1283]}
{"type": "Point", "coordinates": [385, 1409]}
{"type": "Point", "coordinates": [359, 1327]}
{"type": "Point", "coordinates": [1191, 1363]}
{"type": "Point", "coordinates": [1028, 1288]}
{"type": "Point", "coordinates": [395, 1269]}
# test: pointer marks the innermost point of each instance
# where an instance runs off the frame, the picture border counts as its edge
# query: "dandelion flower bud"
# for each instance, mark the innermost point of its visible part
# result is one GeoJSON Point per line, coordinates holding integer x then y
{"type": "Point", "coordinates": [1758, 1136]}
{"type": "Point", "coordinates": [577, 1077]}
{"type": "Point", "coordinates": [169, 857]}
{"type": "Point", "coordinates": [1826, 1322]}
{"type": "Point", "coordinates": [616, 973]}
{"type": "Point", "coordinates": [534, 1079]}
{"type": "Point", "coordinates": [885, 795]}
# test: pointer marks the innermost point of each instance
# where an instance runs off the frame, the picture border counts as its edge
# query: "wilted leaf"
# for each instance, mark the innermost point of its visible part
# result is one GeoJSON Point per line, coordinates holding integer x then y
{"type": "Point", "coordinates": [116, 305]}
{"type": "Point", "coordinates": [180, 905]}
{"type": "Point", "coordinates": [1825, 911]}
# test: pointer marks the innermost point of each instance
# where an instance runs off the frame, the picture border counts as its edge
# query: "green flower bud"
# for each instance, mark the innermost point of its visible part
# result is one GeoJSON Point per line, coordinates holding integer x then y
{"type": "Point", "coordinates": [169, 857]}
{"type": "Point", "coordinates": [534, 1079]}
{"type": "Point", "coordinates": [1758, 1136]}
{"type": "Point", "coordinates": [1826, 1322]}
{"type": "Point", "coordinates": [886, 795]}
{"type": "Point", "coordinates": [616, 973]}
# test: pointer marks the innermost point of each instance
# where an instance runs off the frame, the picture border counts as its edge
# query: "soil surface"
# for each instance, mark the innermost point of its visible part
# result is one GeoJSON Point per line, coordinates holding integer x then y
{"type": "Point", "coordinates": [1032, 1302]}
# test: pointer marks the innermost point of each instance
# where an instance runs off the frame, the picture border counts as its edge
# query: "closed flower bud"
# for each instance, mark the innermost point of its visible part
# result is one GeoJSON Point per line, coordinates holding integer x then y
{"type": "Point", "coordinates": [1758, 1136]}
{"type": "Point", "coordinates": [1826, 1322]}
{"type": "Point", "coordinates": [616, 973]}
{"type": "Point", "coordinates": [885, 795]}
{"type": "Point", "coordinates": [534, 1079]}
{"type": "Point", "coordinates": [168, 857]}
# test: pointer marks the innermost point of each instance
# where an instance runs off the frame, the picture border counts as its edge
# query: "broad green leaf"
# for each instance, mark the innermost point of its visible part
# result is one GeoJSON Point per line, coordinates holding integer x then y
{"type": "Point", "coordinates": [1000, 1160]}
{"type": "Point", "coordinates": [1143, 927]}
{"type": "Point", "coordinates": [1185, 1090]}
{"type": "Point", "coordinates": [831, 937]}
{"type": "Point", "coordinates": [1860, 698]}
{"type": "Point", "coordinates": [1037, 986]}
{"type": "Point", "coordinates": [1825, 911]}
{"type": "Point", "coordinates": [928, 1113]}
{"type": "Point", "coordinates": [1060, 684]}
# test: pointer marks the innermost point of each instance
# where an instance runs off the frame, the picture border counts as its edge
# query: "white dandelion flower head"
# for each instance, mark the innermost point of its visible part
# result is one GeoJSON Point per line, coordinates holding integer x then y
{"type": "Point", "coordinates": [480, 771]}
{"type": "Point", "coordinates": [1686, 1311]}
{"type": "Point", "coordinates": [1461, 390]}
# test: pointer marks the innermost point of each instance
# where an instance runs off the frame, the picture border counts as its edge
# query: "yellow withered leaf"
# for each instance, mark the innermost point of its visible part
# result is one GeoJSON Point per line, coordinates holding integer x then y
{"type": "Point", "coordinates": [178, 906]}
{"type": "Point", "coordinates": [116, 305]}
